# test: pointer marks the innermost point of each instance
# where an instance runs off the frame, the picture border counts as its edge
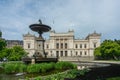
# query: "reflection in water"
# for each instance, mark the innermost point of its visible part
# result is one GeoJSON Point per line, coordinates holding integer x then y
{"type": "Point", "coordinates": [10, 77]}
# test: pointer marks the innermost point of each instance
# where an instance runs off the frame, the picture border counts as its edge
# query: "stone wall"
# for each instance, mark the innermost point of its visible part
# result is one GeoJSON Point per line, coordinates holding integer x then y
{"type": "Point", "coordinates": [76, 58]}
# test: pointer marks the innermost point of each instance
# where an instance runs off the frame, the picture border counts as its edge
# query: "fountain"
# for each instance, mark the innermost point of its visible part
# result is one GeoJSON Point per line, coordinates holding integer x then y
{"type": "Point", "coordinates": [40, 55]}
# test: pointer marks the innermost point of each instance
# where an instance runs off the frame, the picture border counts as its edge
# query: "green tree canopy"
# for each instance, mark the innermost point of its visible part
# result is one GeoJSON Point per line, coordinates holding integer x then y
{"type": "Point", "coordinates": [2, 44]}
{"type": "Point", "coordinates": [17, 53]}
{"type": "Point", "coordinates": [13, 54]}
{"type": "Point", "coordinates": [108, 50]}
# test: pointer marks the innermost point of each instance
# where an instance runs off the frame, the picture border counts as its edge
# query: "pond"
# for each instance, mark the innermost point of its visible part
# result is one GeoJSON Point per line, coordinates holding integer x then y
{"type": "Point", "coordinates": [10, 77]}
{"type": "Point", "coordinates": [101, 73]}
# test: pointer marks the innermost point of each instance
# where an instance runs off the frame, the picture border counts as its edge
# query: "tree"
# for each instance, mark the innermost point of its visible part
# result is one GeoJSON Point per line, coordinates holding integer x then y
{"type": "Point", "coordinates": [2, 44]}
{"type": "Point", "coordinates": [12, 54]}
{"type": "Point", "coordinates": [108, 50]}
{"type": "Point", "coordinates": [17, 53]}
{"type": "Point", "coordinates": [5, 53]}
{"type": "Point", "coordinates": [117, 41]}
{"type": "Point", "coordinates": [97, 52]}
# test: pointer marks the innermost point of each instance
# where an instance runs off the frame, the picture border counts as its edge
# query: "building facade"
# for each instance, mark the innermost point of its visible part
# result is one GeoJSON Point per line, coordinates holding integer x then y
{"type": "Point", "coordinates": [64, 45]}
{"type": "Point", "coordinates": [12, 43]}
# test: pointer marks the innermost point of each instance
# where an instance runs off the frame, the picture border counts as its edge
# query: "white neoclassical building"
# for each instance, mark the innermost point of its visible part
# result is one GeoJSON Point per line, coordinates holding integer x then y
{"type": "Point", "coordinates": [64, 45]}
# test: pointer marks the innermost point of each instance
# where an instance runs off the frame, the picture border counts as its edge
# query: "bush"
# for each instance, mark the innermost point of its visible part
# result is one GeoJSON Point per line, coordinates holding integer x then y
{"type": "Point", "coordinates": [9, 68]}
{"type": "Point", "coordinates": [33, 68]}
{"type": "Point", "coordinates": [40, 68]}
{"type": "Point", "coordinates": [65, 65]}
{"type": "Point", "coordinates": [14, 67]}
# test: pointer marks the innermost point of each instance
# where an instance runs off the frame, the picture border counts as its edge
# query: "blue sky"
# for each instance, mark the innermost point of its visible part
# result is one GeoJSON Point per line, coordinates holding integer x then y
{"type": "Point", "coordinates": [83, 16]}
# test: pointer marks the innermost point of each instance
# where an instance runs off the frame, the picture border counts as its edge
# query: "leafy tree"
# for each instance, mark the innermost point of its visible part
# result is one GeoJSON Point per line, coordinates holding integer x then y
{"type": "Point", "coordinates": [5, 52]}
{"type": "Point", "coordinates": [108, 50]}
{"type": "Point", "coordinates": [2, 44]}
{"type": "Point", "coordinates": [12, 54]}
{"type": "Point", "coordinates": [117, 41]}
{"type": "Point", "coordinates": [97, 52]}
{"type": "Point", "coordinates": [17, 53]}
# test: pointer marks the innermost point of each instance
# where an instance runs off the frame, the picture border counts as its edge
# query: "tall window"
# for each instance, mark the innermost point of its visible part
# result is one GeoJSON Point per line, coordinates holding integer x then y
{"type": "Point", "coordinates": [85, 53]}
{"type": "Point", "coordinates": [47, 46]}
{"type": "Point", "coordinates": [76, 53]}
{"type": "Point", "coordinates": [65, 53]}
{"type": "Point", "coordinates": [80, 52]}
{"type": "Point", "coordinates": [85, 46]}
{"type": "Point", "coordinates": [39, 45]}
{"type": "Point", "coordinates": [65, 45]}
{"type": "Point", "coordinates": [71, 53]}
{"type": "Point", "coordinates": [94, 45]}
{"type": "Point", "coordinates": [28, 45]}
{"type": "Point", "coordinates": [76, 46]}
{"type": "Point", "coordinates": [61, 53]}
{"type": "Point", "coordinates": [57, 45]}
{"type": "Point", "coordinates": [57, 53]}
{"type": "Point", "coordinates": [61, 45]}
{"type": "Point", "coordinates": [80, 45]}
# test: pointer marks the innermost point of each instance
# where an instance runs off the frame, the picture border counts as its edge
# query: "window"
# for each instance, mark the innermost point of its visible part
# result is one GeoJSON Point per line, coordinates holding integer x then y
{"type": "Point", "coordinates": [76, 46]}
{"type": "Point", "coordinates": [80, 45]}
{"type": "Point", "coordinates": [50, 51]}
{"type": "Point", "coordinates": [57, 45]}
{"type": "Point", "coordinates": [39, 45]}
{"type": "Point", "coordinates": [57, 53]}
{"type": "Point", "coordinates": [28, 45]}
{"type": "Point", "coordinates": [65, 53]}
{"type": "Point", "coordinates": [80, 52]}
{"type": "Point", "coordinates": [76, 53]}
{"type": "Point", "coordinates": [57, 39]}
{"type": "Point", "coordinates": [61, 53]}
{"type": "Point", "coordinates": [85, 46]}
{"type": "Point", "coordinates": [61, 45]}
{"type": "Point", "coordinates": [71, 53]}
{"type": "Point", "coordinates": [61, 39]}
{"type": "Point", "coordinates": [65, 45]}
{"type": "Point", "coordinates": [47, 46]}
{"type": "Point", "coordinates": [94, 45]}
{"type": "Point", "coordinates": [65, 39]}
{"type": "Point", "coordinates": [85, 53]}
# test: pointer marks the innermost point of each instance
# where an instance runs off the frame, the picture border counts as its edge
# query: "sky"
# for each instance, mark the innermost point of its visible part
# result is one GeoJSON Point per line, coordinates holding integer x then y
{"type": "Point", "coordinates": [82, 16]}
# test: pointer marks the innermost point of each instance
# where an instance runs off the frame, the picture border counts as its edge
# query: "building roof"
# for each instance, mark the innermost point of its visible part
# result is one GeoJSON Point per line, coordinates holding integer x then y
{"type": "Point", "coordinates": [28, 35]}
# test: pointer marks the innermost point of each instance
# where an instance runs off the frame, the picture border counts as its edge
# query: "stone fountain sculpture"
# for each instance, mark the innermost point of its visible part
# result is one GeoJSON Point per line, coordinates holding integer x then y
{"type": "Point", "coordinates": [40, 55]}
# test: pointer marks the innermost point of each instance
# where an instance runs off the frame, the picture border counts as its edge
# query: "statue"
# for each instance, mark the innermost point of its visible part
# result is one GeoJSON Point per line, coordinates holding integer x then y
{"type": "Point", "coordinates": [40, 21]}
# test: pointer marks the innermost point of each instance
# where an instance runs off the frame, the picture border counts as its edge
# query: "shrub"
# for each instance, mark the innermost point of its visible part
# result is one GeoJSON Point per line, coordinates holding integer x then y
{"type": "Point", "coordinates": [33, 68]}
{"type": "Point", "coordinates": [14, 67]}
{"type": "Point", "coordinates": [65, 65]}
{"type": "Point", "coordinates": [9, 68]}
